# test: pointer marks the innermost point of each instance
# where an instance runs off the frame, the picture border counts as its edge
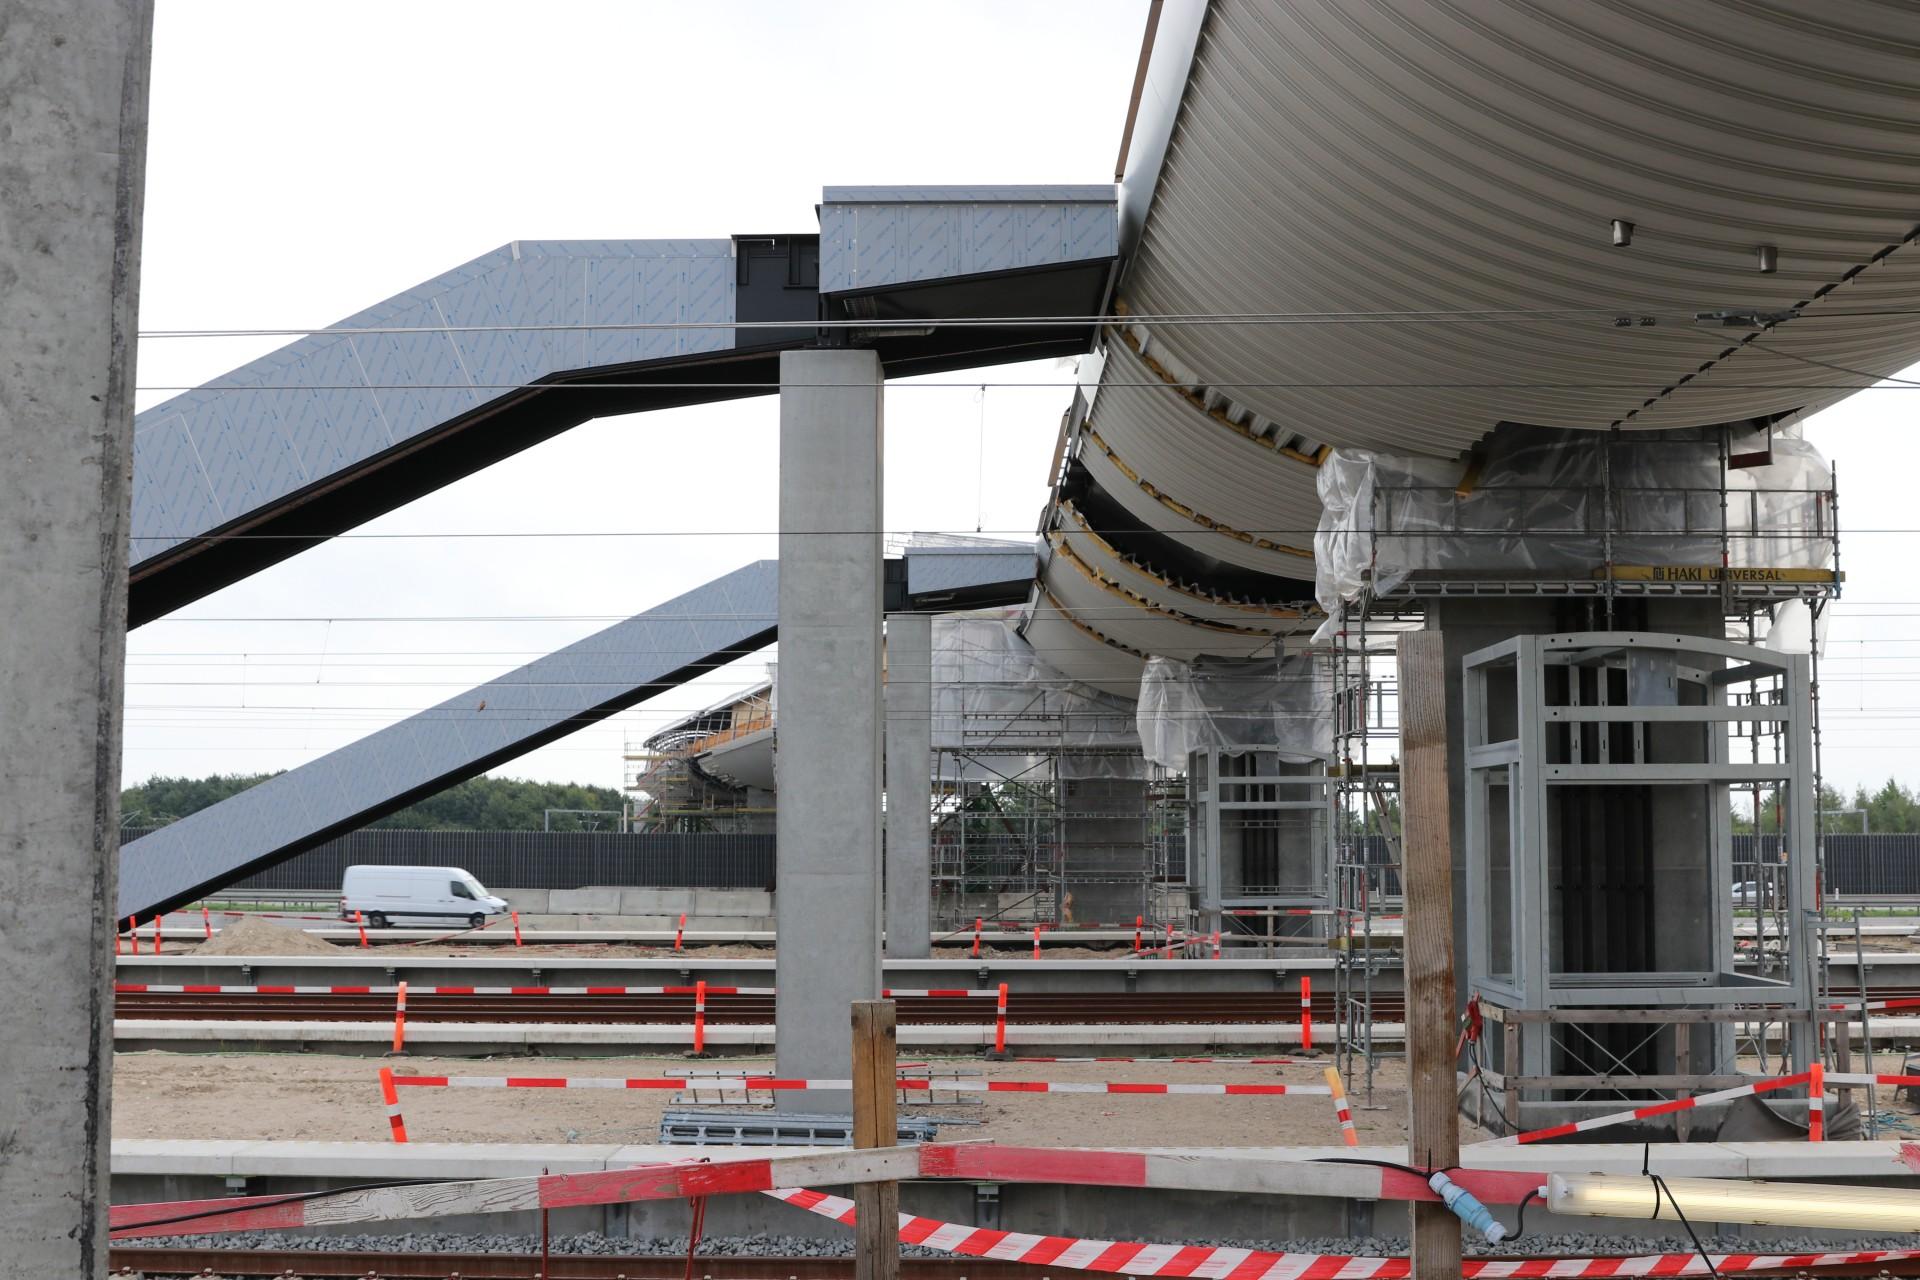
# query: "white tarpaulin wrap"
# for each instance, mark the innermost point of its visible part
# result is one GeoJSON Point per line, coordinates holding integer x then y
{"type": "Point", "coordinates": [994, 697]}
{"type": "Point", "coordinates": [1539, 508]}
{"type": "Point", "coordinates": [1283, 705]}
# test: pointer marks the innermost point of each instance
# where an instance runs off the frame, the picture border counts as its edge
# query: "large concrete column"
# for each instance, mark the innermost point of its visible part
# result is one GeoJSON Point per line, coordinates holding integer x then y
{"type": "Point", "coordinates": [827, 762]}
{"type": "Point", "coordinates": [909, 892]}
{"type": "Point", "coordinates": [73, 94]}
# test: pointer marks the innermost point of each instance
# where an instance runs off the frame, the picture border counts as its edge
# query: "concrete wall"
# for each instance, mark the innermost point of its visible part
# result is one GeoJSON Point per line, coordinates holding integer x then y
{"type": "Point", "coordinates": [827, 763]}
{"type": "Point", "coordinates": [73, 96]}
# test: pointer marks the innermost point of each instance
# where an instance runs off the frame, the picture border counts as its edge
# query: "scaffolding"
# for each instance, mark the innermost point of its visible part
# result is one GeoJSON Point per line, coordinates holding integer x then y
{"type": "Point", "coordinates": [1598, 527]}
{"type": "Point", "coordinates": [1363, 819]}
{"type": "Point", "coordinates": [669, 790]}
{"type": "Point", "coordinates": [1056, 838]}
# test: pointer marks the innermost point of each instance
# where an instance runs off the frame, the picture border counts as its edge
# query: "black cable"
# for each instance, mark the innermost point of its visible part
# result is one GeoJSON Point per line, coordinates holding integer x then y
{"type": "Point", "coordinates": [1520, 1216]}
{"type": "Point", "coordinates": [1660, 1188]}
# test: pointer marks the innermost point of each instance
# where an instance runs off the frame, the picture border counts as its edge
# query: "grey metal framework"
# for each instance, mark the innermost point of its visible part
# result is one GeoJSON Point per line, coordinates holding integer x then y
{"type": "Point", "coordinates": [1599, 849]}
{"type": "Point", "coordinates": [1258, 828]}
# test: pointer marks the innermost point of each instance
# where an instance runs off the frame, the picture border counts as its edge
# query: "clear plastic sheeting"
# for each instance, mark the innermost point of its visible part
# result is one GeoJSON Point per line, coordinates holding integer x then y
{"type": "Point", "coordinates": [1283, 705]}
{"type": "Point", "coordinates": [999, 703]}
{"type": "Point", "coordinates": [1551, 503]}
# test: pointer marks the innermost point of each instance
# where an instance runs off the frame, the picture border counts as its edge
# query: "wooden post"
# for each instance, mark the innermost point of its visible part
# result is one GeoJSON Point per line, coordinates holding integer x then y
{"type": "Point", "coordinates": [876, 1227]}
{"type": "Point", "coordinates": [1433, 1130]}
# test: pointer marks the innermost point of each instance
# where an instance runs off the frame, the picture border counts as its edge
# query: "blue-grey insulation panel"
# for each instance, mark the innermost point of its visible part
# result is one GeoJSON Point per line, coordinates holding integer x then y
{"type": "Point", "coordinates": [330, 401]}
{"type": "Point", "coordinates": [871, 237]}
{"type": "Point", "coordinates": [612, 669]}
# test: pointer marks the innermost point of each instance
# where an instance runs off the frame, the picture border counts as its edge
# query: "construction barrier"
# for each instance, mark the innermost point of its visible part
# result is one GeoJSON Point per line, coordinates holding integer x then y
{"type": "Point", "coordinates": [911, 1084]}
{"type": "Point", "coordinates": [1816, 1103]}
{"type": "Point", "coordinates": [1341, 1110]}
{"type": "Point", "coordinates": [699, 1017]}
{"type": "Point", "coordinates": [1306, 1013]}
{"type": "Point", "coordinates": [400, 1017]}
{"type": "Point", "coordinates": [161, 988]}
{"type": "Point", "coordinates": [391, 1096]}
{"type": "Point", "coordinates": [1237, 1062]}
{"type": "Point", "coordinates": [1652, 1109]}
{"type": "Point", "coordinates": [1225, 1263]}
{"type": "Point", "coordinates": [1000, 1021]}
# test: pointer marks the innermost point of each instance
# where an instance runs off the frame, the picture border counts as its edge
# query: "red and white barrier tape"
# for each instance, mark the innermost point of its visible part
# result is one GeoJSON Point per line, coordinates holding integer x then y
{"type": "Point", "coordinates": [958, 1084]}
{"type": "Point", "coordinates": [1222, 1263]}
{"type": "Point", "coordinates": [1653, 1109]}
{"type": "Point", "coordinates": [157, 988]}
{"type": "Point", "coordinates": [1237, 1062]}
{"type": "Point", "coordinates": [931, 993]}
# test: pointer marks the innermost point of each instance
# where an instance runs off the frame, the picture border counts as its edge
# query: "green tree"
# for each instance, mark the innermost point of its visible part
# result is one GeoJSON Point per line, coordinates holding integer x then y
{"type": "Point", "coordinates": [478, 804]}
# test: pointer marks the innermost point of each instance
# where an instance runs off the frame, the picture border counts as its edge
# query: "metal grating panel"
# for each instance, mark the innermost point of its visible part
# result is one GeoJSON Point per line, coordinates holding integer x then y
{"type": "Point", "coordinates": [876, 236]}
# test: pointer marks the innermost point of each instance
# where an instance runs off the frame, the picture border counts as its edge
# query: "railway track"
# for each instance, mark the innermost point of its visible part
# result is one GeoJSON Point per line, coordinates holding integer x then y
{"type": "Point", "coordinates": [1049, 1007]}
{"type": "Point", "coordinates": [314, 1264]}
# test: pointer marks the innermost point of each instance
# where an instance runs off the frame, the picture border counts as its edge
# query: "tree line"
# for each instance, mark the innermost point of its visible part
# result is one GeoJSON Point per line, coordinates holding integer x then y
{"type": "Point", "coordinates": [1890, 810]}
{"type": "Point", "coordinates": [478, 804]}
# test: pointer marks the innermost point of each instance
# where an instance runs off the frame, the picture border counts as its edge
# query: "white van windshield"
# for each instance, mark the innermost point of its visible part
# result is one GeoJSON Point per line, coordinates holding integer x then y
{"type": "Point", "coordinates": [479, 890]}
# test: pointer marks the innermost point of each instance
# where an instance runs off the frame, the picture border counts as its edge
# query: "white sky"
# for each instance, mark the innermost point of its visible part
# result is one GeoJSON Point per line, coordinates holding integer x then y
{"type": "Point", "coordinates": [307, 160]}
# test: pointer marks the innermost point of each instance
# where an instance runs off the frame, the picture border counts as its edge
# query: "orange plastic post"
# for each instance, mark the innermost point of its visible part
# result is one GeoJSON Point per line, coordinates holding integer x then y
{"type": "Point", "coordinates": [206, 919]}
{"type": "Point", "coordinates": [1817, 1102]}
{"type": "Point", "coordinates": [1341, 1110]}
{"type": "Point", "coordinates": [516, 930]}
{"type": "Point", "coordinates": [400, 1018]}
{"type": "Point", "coordinates": [1036, 942]}
{"type": "Point", "coordinates": [391, 1095]}
{"type": "Point", "coordinates": [976, 937]}
{"type": "Point", "coordinates": [700, 1016]}
{"type": "Point", "coordinates": [1306, 1012]}
{"type": "Point", "coordinates": [362, 926]}
{"type": "Point", "coordinates": [1000, 1022]}
{"type": "Point", "coordinates": [680, 931]}
{"type": "Point", "coordinates": [156, 935]}
{"type": "Point", "coordinates": [1138, 923]}
{"type": "Point", "coordinates": [1216, 944]}
{"type": "Point", "coordinates": [133, 934]}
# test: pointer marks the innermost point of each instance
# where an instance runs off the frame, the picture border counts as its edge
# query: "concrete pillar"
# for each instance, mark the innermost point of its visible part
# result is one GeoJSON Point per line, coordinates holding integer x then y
{"type": "Point", "coordinates": [827, 762]}
{"type": "Point", "coordinates": [73, 93]}
{"type": "Point", "coordinates": [909, 891]}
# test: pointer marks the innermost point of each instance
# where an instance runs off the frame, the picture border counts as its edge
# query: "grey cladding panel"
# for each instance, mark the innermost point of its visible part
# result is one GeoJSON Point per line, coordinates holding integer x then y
{"type": "Point", "coordinates": [876, 236]}
{"type": "Point", "coordinates": [329, 401]}
{"type": "Point", "coordinates": [622, 665]}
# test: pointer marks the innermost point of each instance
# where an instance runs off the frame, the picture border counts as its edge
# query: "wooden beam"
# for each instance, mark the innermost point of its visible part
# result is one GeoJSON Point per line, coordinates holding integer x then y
{"type": "Point", "coordinates": [1433, 1131]}
{"type": "Point", "coordinates": [876, 1228]}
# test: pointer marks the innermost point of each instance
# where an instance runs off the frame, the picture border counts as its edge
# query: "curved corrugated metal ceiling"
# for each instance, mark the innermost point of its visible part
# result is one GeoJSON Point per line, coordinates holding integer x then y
{"type": "Point", "coordinates": [1393, 156]}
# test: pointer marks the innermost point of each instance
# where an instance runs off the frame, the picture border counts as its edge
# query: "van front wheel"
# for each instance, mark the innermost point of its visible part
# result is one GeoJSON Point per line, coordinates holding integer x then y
{"type": "Point", "coordinates": [377, 920]}
{"type": "Point", "coordinates": [476, 921]}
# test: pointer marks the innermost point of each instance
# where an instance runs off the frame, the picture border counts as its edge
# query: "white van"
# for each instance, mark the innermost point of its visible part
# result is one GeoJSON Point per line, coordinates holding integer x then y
{"type": "Point", "coordinates": [429, 895]}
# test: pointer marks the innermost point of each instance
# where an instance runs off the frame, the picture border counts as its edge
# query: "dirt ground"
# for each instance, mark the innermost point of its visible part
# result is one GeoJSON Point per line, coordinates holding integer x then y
{"type": "Point", "coordinates": [325, 1098]}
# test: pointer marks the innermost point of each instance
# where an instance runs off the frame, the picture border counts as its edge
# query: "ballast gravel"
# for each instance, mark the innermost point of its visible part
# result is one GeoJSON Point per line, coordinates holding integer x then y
{"type": "Point", "coordinates": [1565, 1245]}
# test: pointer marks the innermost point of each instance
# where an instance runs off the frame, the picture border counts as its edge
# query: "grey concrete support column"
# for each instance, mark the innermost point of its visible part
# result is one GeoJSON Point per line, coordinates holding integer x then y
{"type": "Point", "coordinates": [73, 93]}
{"type": "Point", "coordinates": [827, 762]}
{"type": "Point", "coordinates": [909, 892]}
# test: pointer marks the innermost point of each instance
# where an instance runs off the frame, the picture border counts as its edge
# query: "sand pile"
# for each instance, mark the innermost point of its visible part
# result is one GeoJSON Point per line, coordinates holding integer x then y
{"type": "Point", "coordinates": [249, 937]}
